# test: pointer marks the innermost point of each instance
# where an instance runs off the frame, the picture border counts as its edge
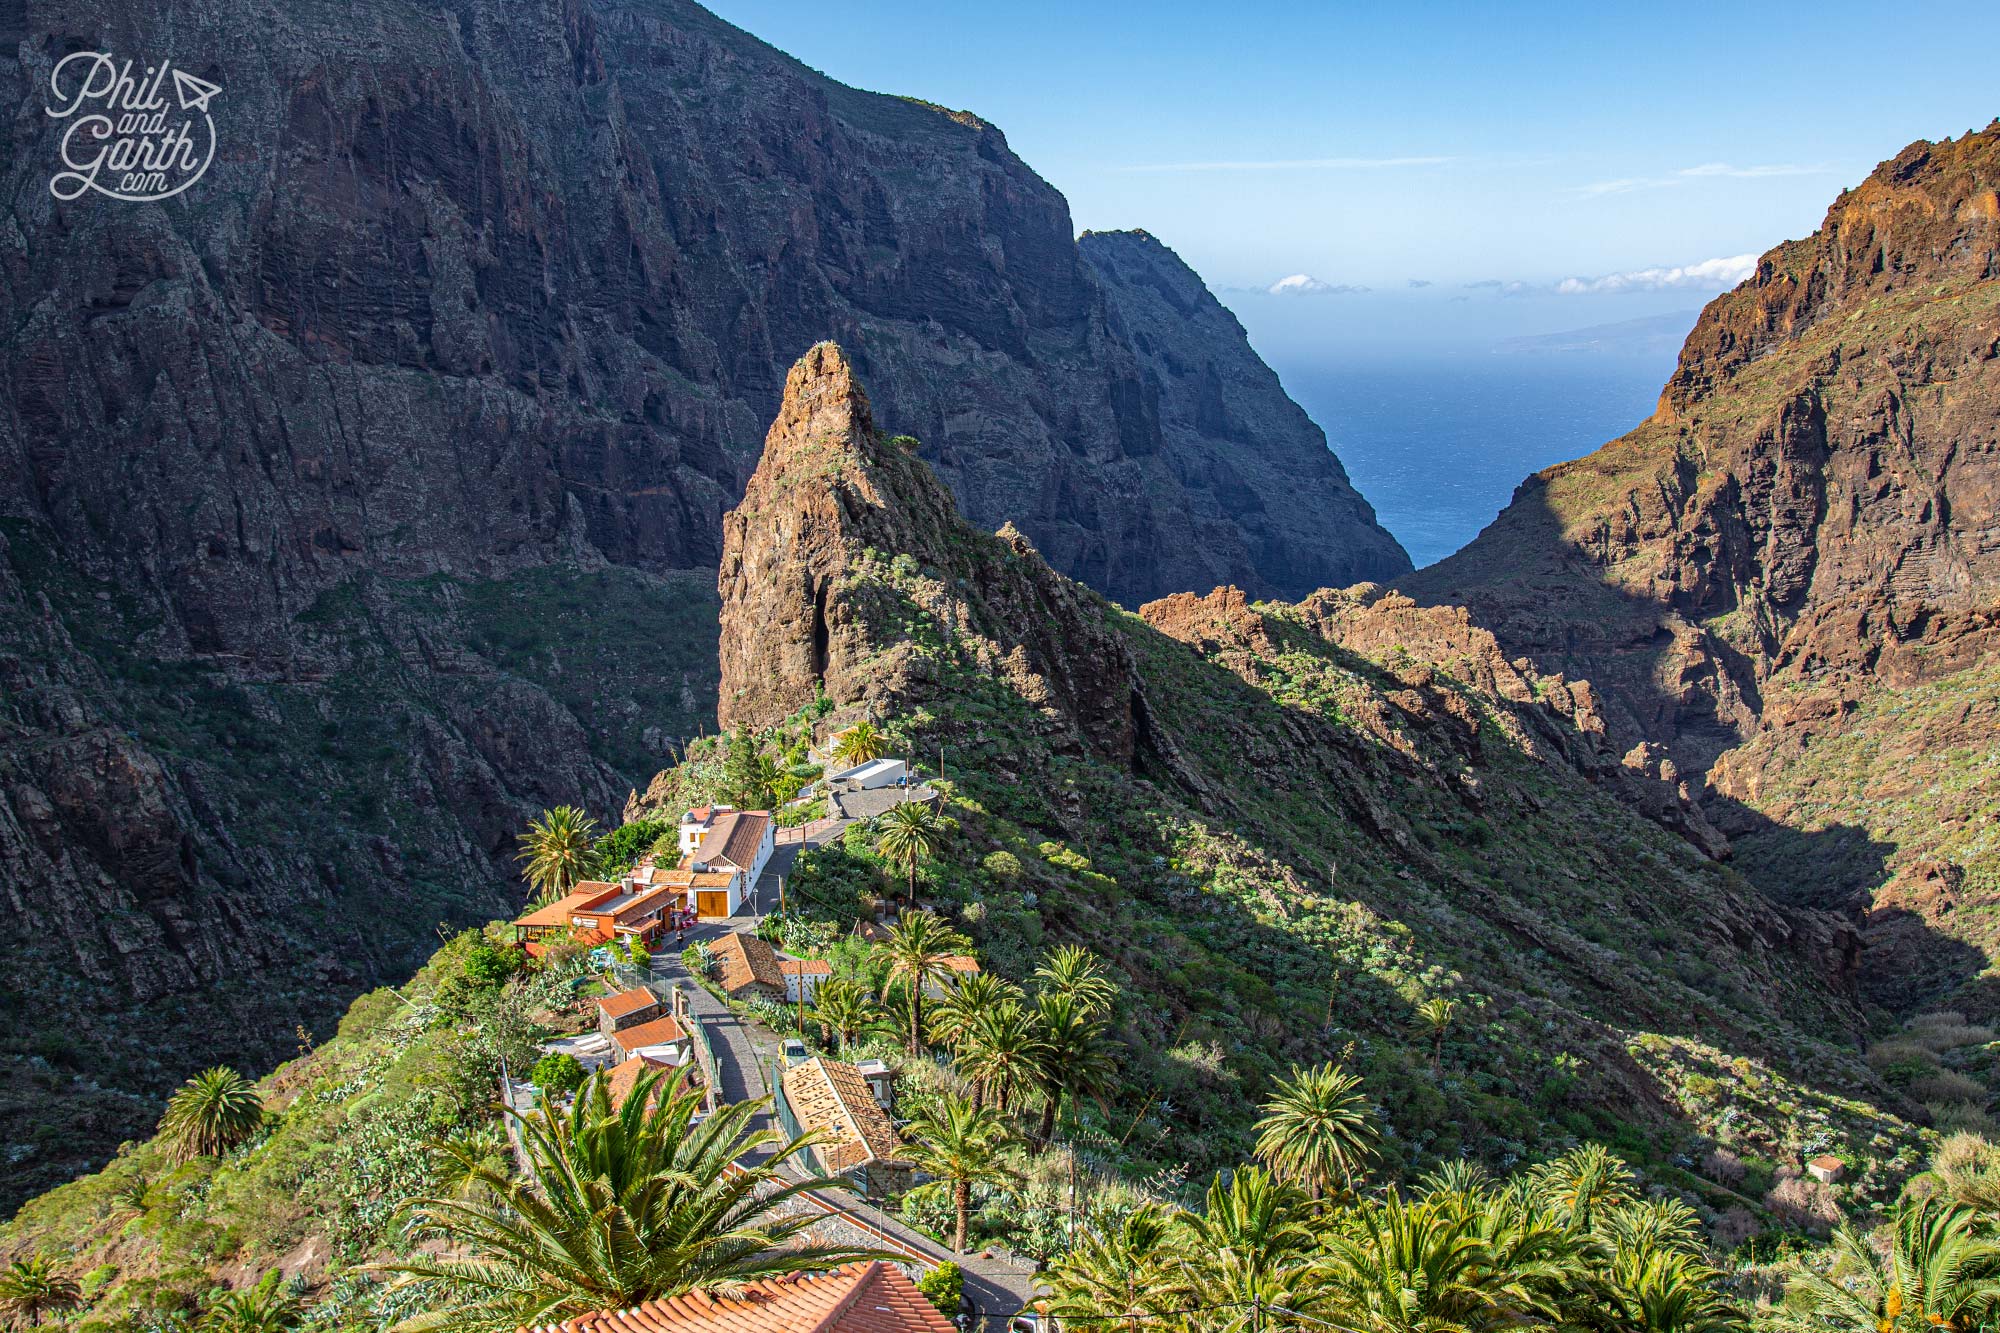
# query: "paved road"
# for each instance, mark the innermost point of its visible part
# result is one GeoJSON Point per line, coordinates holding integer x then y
{"type": "Point", "coordinates": [744, 1051]}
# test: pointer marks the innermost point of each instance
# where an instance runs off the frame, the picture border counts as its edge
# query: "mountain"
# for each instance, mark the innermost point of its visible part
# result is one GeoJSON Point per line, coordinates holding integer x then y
{"type": "Point", "coordinates": [1785, 585]}
{"type": "Point", "coordinates": [1289, 831]}
{"type": "Point", "coordinates": [365, 497]}
{"type": "Point", "coordinates": [1285, 825]}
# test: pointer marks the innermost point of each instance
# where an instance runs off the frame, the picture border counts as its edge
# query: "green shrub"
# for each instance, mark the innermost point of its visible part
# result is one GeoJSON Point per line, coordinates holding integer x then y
{"type": "Point", "coordinates": [625, 844]}
{"type": "Point", "coordinates": [557, 1073]}
{"type": "Point", "coordinates": [945, 1285]}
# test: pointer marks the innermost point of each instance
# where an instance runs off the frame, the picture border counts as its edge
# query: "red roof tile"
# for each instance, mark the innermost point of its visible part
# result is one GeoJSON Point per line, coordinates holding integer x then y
{"type": "Point", "coordinates": [657, 1032]}
{"type": "Point", "coordinates": [858, 1298]}
{"type": "Point", "coordinates": [626, 1002]}
{"type": "Point", "coordinates": [746, 960]}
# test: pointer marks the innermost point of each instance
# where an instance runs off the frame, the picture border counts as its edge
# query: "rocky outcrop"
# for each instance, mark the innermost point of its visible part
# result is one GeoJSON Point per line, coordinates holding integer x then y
{"type": "Point", "coordinates": [1818, 495]}
{"type": "Point", "coordinates": [844, 534]}
{"type": "Point", "coordinates": [1811, 516]}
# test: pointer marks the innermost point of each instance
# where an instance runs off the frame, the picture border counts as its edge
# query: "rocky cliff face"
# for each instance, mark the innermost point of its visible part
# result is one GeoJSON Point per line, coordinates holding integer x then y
{"type": "Point", "coordinates": [347, 497]}
{"type": "Point", "coordinates": [1810, 519]}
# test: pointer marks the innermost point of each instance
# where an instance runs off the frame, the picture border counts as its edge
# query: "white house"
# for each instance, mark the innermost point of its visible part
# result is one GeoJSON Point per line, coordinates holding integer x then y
{"type": "Point", "coordinates": [723, 852]}
{"type": "Point", "coordinates": [958, 966]}
{"type": "Point", "coordinates": [803, 977]}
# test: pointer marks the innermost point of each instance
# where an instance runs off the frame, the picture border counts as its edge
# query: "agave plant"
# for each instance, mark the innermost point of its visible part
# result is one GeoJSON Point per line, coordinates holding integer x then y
{"type": "Point", "coordinates": [623, 1204]}
{"type": "Point", "coordinates": [210, 1114]}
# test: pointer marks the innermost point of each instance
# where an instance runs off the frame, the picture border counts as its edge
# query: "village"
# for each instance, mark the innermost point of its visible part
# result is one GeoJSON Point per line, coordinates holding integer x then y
{"type": "Point", "coordinates": [696, 986]}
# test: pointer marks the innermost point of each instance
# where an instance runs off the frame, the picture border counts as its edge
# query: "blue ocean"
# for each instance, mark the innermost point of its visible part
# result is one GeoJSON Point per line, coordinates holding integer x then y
{"type": "Point", "coordinates": [1439, 446]}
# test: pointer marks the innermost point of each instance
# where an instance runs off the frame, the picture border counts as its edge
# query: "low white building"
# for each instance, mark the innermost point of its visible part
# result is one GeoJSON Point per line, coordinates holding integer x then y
{"type": "Point", "coordinates": [803, 977]}
{"type": "Point", "coordinates": [867, 777]}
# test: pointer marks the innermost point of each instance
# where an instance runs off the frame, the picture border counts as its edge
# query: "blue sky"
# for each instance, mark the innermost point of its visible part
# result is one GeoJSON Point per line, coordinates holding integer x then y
{"type": "Point", "coordinates": [1448, 144]}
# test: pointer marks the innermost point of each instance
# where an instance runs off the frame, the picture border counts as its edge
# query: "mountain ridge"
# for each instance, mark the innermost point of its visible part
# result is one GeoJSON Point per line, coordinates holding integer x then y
{"type": "Point", "coordinates": [1808, 526]}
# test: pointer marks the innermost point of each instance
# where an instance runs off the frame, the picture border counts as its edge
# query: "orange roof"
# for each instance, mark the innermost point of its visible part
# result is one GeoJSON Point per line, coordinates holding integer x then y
{"type": "Point", "coordinates": [649, 903]}
{"type": "Point", "coordinates": [805, 967]}
{"type": "Point", "coordinates": [960, 962]}
{"type": "Point", "coordinates": [871, 1297]}
{"type": "Point", "coordinates": [621, 1079]}
{"type": "Point", "coordinates": [832, 1097]}
{"type": "Point", "coordinates": [746, 960]}
{"type": "Point", "coordinates": [682, 878]}
{"type": "Point", "coordinates": [626, 1002]}
{"type": "Point", "coordinates": [586, 894]}
{"type": "Point", "coordinates": [655, 1032]}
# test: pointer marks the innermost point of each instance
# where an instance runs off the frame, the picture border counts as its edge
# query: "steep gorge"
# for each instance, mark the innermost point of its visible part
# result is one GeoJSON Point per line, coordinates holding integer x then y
{"type": "Point", "coordinates": [367, 496]}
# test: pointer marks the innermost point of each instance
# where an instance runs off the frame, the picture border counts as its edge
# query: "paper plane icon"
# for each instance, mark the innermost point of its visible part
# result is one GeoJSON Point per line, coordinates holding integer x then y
{"type": "Point", "coordinates": [194, 93]}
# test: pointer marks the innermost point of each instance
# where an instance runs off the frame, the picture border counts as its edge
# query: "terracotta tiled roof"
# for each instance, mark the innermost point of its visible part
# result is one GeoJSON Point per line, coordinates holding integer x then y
{"type": "Point", "coordinates": [858, 1298]}
{"type": "Point", "coordinates": [621, 1079]}
{"type": "Point", "coordinates": [805, 967]}
{"type": "Point", "coordinates": [657, 1032]}
{"type": "Point", "coordinates": [626, 1002]}
{"type": "Point", "coordinates": [959, 962]}
{"type": "Point", "coordinates": [649, 903]}
{"type": "Point", "coordinates": [735, 839]}
{"type": "Point", "coordinates": [833, 1097]}
{"type": "Point", "coordinates": [746, 960]}
{"type": "Point", "coordinates": [683, 878]}
{"type": "Point", "coordinates": [580, 898]}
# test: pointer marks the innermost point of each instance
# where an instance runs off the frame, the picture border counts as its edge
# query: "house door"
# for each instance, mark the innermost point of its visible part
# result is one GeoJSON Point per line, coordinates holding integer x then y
{"type": "Point", "coordinates": [712, 902]}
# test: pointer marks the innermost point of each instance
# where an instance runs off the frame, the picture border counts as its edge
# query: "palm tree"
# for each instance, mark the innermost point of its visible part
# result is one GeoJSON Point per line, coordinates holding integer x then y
{"type": "Point", "coordinates": [264, 1308]}
{"type": "Point", "coordinates": [844, 1009]}
{"type": "Point", "coordinates": [1400, 1267]}
{"type": "Point", "coordinates": [910, 834]}
{"type": "Point", "coordinates": [1583, 1181]}
{"type": "Point", "coordinates": [965, 999]}
{"type": "Point", "coordinates": [1073, 1056]}
{"type": "Point", "coordinates": [1002, 1053]}
{"type": "Point", "coordinates": [1317, 1129]}
{"type": "Point", "coordinates": [1134, 1278]}
{"type": "Point", "coordinates": [1251, 1252]}
{"type": "Point", "coordinates": [558, 850]}
{"type": "Point", "coordinates": [1436, 1014]}
{"type": "Point", "coordinates": [210, 1114]}
{"type": "Point", "coordinates": [1941, 1273]}
{"type": "Point", "coordinates": [961, 1145]}
{"type": "Point", "coordinates": [918, 945]}
{"type": "Point", "coordinates": [1661, 1291]}
{"type": "Point", "coordinates": [1075, 971]}
{"type": "Point", "coordinates": [860, 744]}
{"type": "Point", "coordinates": [621, 1205]}
{"type": "Point", "coordinates": [31, 1289]}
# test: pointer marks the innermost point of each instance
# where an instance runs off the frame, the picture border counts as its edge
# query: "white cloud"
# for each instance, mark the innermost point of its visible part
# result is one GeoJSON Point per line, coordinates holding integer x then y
{"type": "Point", "coordinates": [1748, 173]}
{"type": "Point", "coordinates": [1294, 164]}
{"type": "Point", "coordinates": [1706, 171]}
{"type": "Point", "coordinates": [1709, 275]}
{"type": "Point", "coordinates": [1305, 284]}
